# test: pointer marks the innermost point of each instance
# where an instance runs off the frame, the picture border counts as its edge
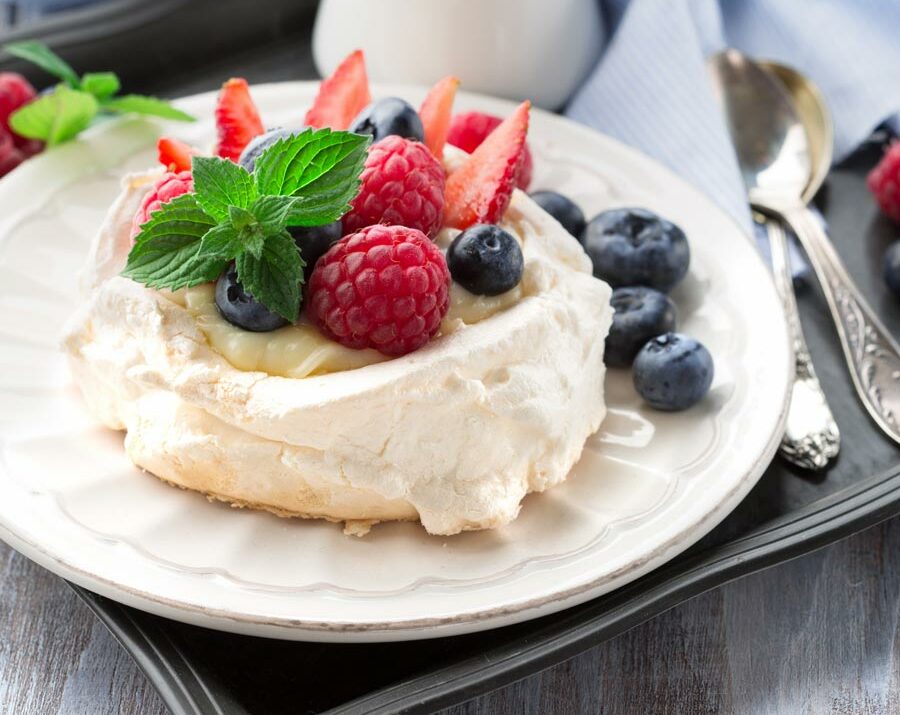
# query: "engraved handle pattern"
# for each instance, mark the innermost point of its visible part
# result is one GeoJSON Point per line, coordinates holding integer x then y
{"type": "Point", "coordinates": [811, 437]}
{"type": "Point", "coordinates": [873, 356]}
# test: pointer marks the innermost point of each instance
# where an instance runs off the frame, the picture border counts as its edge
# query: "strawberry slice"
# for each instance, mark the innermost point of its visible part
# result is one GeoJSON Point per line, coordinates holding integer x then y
{"type": "Point", "coordinates": [435, 113]}
{"type": "Point", "coordinates": [237, 120]}
{"type": "Point", "coordinates": [341, 96]}
{"type": "Point", "coordinates": [175, 155]}
{"type": "Point", "coordinates": [479, 191]}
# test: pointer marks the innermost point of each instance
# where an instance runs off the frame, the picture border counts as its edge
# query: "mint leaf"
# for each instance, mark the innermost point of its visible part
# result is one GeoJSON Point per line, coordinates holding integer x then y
{"type": "Point", "coordinates": [39, 54]}
{"type": "Point", "coordinates": [272, 212]}
{"type": "Point", "coordinates": [166, 251]}
{"type": "Point", "coordinates": [319, 167]}
{"type": "Point", "coordinates": [220, 183]}
{"type": "Point", "coordinates": [102, 85]}
{"type": "Point", "coordinates": [55, 117]}
{"type": "Point", "coordinates": [149, 106]}
{"type": "Point", "coordinates": [240, 217]}
{"type": "Point", "coordinates": [222, 241]}
{"type": "Point", "coordinates": [274, 278]}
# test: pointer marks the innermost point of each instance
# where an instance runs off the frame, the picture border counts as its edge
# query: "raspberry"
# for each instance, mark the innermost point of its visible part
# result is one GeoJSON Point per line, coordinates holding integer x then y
{"type": "Point", "coordinates": [385, 287]}
{"type": "Point", "coordinates": [884, 182]}
{"type": "Point", "coordinates": [10, 156]}
{"type": "Point", "coordinates": [402, 184]}
{"type": "Point", "coordinates": [164, 190]}
{"type": "Point", "coordinates": [15, 91]}
{"type": "Point", "coordinates": [469, 129]}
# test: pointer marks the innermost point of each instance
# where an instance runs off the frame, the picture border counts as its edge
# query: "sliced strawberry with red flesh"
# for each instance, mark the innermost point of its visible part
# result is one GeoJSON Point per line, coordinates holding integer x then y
{"type": "Point", "coordinates": [175, 155]}
{"type": "Point", "coordinates": [436, 112]}
{"type": "Point", "coordinates": [341, 96]}
{"type": "Point", "coordinates": [237, 120]}
{"type": "Point", "coordinates": [469, 129]}
{"type": "Point", "coordinates": [479, 191]}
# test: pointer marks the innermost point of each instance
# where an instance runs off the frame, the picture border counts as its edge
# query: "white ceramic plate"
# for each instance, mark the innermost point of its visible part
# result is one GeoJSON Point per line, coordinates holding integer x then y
{"type": "Point", "coordinates": [648, 486]}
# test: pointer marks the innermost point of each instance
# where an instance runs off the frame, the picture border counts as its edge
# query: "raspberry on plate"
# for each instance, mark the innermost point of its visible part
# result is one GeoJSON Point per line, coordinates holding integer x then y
{"type": "Point", "coordinates": [384, 287]}
{"type": "Point", "coordinates": [884, 182]}
{"type": "Point", "coordinates": [164, 190]}
{"type": "Point", "coordinates": [469, 129]}
{"type": "Point", "coordinates": [402, 184]}
{"type": "Point", "coordinates": [15, 91]}
{"type": "Point", "coordinates": [237, 120]}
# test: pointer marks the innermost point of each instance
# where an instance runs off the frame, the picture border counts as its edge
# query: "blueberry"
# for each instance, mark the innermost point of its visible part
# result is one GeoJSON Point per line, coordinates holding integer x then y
{"type": "Point", "coordinates": [391, 115]}
{"type": "Point", "coordinates": [892, 268]}
{"type": "Point", "coordinates": [636, 247]}
{"type": "Point", "coordinates": [240, 308]}
{"type": "Point", "coordinates": [640, 314]}
{"type": "Point", "coordinates": [314, 241]}
{"type": "Point", "coordinates": [673, 372]}
{"type": "Point", "coordinates": [259, 144]}
{"type": "Point", "coordinates": [485, 260]}
{"type": "Point", "coordinates": [563, 209]}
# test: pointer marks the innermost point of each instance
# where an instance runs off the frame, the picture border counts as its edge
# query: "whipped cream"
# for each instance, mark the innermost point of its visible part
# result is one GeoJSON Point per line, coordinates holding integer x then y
{"type": "Point", "coordinates": [454, 434]}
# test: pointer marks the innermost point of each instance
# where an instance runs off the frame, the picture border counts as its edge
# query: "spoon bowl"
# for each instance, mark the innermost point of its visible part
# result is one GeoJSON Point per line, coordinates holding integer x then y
{"type": "Point", "coordinates": [812, 109]}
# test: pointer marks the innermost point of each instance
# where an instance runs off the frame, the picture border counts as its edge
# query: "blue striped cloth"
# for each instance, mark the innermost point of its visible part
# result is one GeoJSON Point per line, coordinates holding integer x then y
{"type": "Point", "coordinates": [650, 87]}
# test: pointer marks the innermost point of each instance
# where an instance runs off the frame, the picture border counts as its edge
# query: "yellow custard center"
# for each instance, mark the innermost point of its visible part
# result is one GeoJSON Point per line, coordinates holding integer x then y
{"type": "Point", "coordinates": [300, 350]}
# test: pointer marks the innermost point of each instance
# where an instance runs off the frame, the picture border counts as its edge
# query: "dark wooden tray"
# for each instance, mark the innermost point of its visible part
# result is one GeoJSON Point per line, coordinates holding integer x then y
{"type": "Point", "coordinates": [787, 514]}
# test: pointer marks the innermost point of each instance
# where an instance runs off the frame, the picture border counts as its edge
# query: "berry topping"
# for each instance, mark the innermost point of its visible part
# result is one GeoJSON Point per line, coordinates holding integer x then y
{"type": "Point", "coordinates": [164, 190]}
{"type": "Point", "coordinates": [237, 120]}
{"type": "Point", "coordinates": [640, 314]}
{"type": "Point", "coordinates": [341, 96]}
{"type": "Point", "coordinates": [469, 129]}
{"type": "Point", "coordinates": [402, 184]}
{"type": "Point", "coordinates": [385, 287]}
{"type": "Point", "coordinates": [258, 145]}
{"type": "Point", "coordinates": [175, 155]}
{"type": "Point", "coordinates": [436, 114]}
{"type": "Point", "coordinates": [563, 209]}
{"type": "Point", "coordinates": [479, 191]}
{"type": "Point", "coordinates": [884, 182]}
{"type": "Point", "coordinates": [15, 91]}
{"type": "Point", "coordinates": [10, 156]}
{"type": "Point", "coordinates": [673, 372]}
{"type": "Point", "coordinates": [636, 247]}
{"type": "Point", "coordinates": [314, 241]}
{"type": "Point", "coordinates": [891, 269]}
{"type": "Point", "coordinates": [240, 308]}
{"type": "Point", "coordinates": [388, 117]}
{"type": "Point", "coordinates": [486, 260]}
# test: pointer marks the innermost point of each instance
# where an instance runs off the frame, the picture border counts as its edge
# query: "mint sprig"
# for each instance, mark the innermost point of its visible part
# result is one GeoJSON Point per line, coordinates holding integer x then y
{"type": "Point", "coordinates": [73, 104]}
{"type": "Point", "coordinates": [306, 179]}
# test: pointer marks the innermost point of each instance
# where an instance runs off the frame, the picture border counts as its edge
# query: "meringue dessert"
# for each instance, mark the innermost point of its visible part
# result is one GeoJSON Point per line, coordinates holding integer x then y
{"type": "Point", "coordinates": [444, 359]}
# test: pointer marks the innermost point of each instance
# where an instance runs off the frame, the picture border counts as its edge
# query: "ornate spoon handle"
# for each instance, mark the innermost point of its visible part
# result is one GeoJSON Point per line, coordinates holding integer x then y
{"type": "Point", "coordinates": [873, 356]}
{"type": "Point", "coordinates": [811, 437]}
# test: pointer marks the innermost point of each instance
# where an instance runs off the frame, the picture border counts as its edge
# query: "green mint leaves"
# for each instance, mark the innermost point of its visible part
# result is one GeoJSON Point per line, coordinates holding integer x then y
{"type": "Point", "coordinates": [306, 179]}
{"type": "Point", "coordinates": [72, 105]}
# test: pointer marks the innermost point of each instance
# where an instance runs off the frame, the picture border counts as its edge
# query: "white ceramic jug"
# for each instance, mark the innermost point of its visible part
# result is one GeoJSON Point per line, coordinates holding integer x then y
{"type": "Point", "coordinates": [521, 49]}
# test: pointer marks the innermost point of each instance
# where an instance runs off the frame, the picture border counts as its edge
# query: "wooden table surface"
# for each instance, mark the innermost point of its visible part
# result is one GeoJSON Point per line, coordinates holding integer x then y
{"type": "Point", "coordinates": [816, 635]}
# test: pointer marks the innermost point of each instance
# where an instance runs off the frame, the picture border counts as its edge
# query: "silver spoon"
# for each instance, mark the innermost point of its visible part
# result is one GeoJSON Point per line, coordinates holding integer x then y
{"type": "Point", "coordinates": [774, 154]}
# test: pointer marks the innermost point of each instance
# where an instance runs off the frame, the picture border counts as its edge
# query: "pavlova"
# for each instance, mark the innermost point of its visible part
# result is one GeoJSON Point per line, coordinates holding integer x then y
{"type": "Point", "coordinates": [349, 321]}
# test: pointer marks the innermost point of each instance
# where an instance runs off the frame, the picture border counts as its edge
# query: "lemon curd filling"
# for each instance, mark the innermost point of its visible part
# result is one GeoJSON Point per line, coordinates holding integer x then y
{"type": "Point", "coordinates": [300, 350]}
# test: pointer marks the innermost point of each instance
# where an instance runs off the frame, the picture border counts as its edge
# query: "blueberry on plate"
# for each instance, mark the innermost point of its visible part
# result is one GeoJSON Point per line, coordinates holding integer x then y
{"type": "Point", "coordinates": [259, 144]}
{"type": "Point", "coordinates": [891, 269]}
{"type": "Point", "coordinates": [314, 241]}
{"type": "Point", "coordinates": [240, 308]}
{"type": "Point", "coordinates": [673, 372]}
{"type": "Point", "coordinates": [636, 247]}
{"type": "Point", "coordinates": [485, 260]}
{"type": "Point", "coordinates": [640, 313]}
{"type": "Point", "coordinates": [563, 209]}
{"type": "Point", "coordinates": [388, 116]}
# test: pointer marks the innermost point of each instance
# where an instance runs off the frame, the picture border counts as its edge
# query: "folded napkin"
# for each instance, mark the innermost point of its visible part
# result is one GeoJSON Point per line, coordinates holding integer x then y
{"type": "Point", "coordinates": [650, 87]}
